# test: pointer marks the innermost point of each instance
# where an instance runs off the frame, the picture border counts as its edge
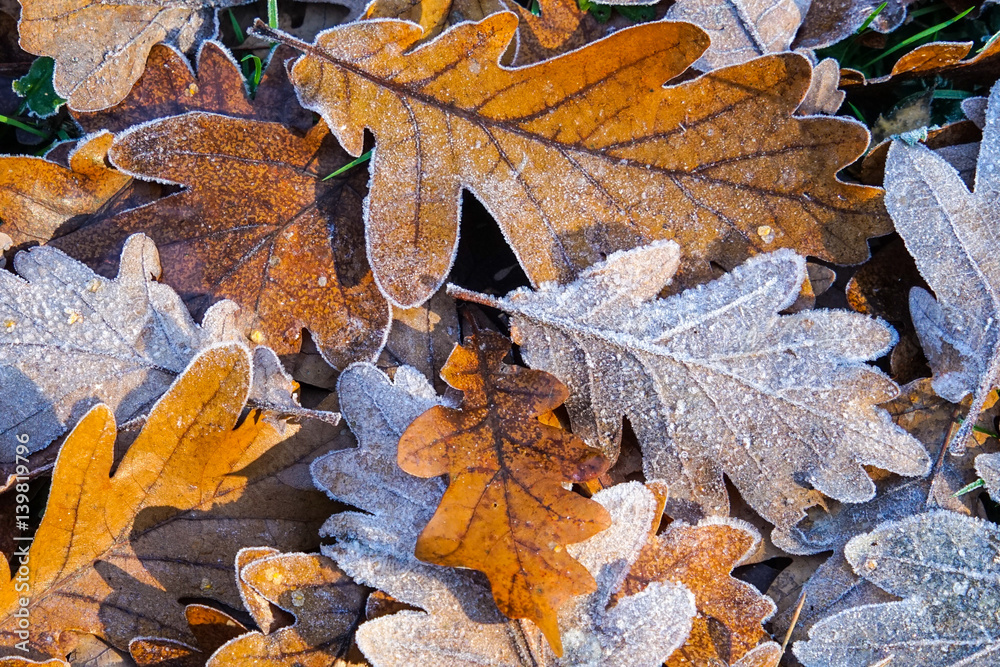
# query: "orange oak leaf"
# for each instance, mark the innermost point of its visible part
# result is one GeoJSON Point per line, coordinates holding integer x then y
{"type": "Point", "coordinates": [702, 557]}
{"type": "Point", "coordinates": [505, 511]}
{"type": "Point", "coordinates": [559, 27]}
{"type": "Point", "coordinates": [100, 46]}
{"type": "Point", "coordinates": [325, 602]}
{"type": "Point", "coordinates": [169, 87]}
{"type": "Point", "coordinates": [256, 223]}
{"type": "Point", "coordinates": [40, 198]}
{"type": "Point", "coordinates": [115, 553]}
{"type": "Point", "coordinates": [719, 163]}
{"type": "Point", "coordinates": [211, 628]}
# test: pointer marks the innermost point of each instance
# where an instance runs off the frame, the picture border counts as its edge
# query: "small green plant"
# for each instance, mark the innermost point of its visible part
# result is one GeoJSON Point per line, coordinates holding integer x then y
{"type": "Point", "coordinates": [40, 97]}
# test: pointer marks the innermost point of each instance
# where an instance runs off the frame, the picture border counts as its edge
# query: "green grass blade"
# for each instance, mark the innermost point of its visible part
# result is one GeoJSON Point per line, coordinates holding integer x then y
{"type": "Point", "coordinates": [871, 17]}
{"type": "Point", "coordinates": [272, 13]}
{"type": "Point", "coordinates": [968, 487]}
{"type": "Point", "coordinates": [24, 126]}
{"type": "Point", "coordinates": [240, 37]}
{"type": "Point", "coordinates": [353, 163]}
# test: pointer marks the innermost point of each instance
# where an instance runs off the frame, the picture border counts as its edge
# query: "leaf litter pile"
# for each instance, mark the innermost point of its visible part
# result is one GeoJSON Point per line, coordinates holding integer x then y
{"type": "Point", "coordinates": [453, 332]}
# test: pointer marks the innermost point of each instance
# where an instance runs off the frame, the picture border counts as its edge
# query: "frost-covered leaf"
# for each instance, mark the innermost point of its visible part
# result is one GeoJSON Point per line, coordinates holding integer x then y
{"type": "Point", "coordinates": [741, 30]}
{"type": "Point", "coordinates": [271, 232]}
{"type": "Point", "coordinates": [169, 87]}
{"type": "Point", "coordinates": [36, 88]}
{"type": "Point", "coordinates": [71, 339]}
{"type": "Point", "coordinates": [720, 163]}
{"type": "Point", "coordinates": [988, 469]}
{"type": "Point", "coordinates": [324, 601]}
{"type": "Point", "coordinates": [946, 567]}
{"type": "Point", "coordinates": [460, 624]}
{"type": "Point", "coordinates": [952, 234]}
{"type": "Point", "coordinates": [702, 557]}
{"type": "Point", "coordinates": [829, 21]}
{"type": "Point", "coordinates": [714, 381]}
{"type": "Point", "coordinates": [40, 198]}
{"type": "Point", "coordinates": [115, 553]}
{"type": "Point", "coordinates": [100, 46]}
{"type": "Point", "coordinates": [211, 629]}
{"type": "Point", "coordinates": [505, 511]}
{"type": "Point", "coordinates": [422, 337]}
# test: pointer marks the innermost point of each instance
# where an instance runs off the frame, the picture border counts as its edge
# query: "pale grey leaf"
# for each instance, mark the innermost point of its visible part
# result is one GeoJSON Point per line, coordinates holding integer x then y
{"type": "Point", "coordinates": [714, 381]}
{"type": "Point", "coordinates": [988, 469]}
{"type": "Point", "coordinates": [829, 21]}
{"type": "Point", "coordinates": [740, 30]}
{"type": "Point", "coordinates": [974, 109]}
{"type": "Point", "coordinates": [70, 339]}
{"type": "Point", "coordinates": [946, 566]}
{"type": "Point", "coordinates": [460, 624]}
{"type": "Point", "coordinates": [824, 94]}
{"type": "Point", "coordinates": [952, 235]}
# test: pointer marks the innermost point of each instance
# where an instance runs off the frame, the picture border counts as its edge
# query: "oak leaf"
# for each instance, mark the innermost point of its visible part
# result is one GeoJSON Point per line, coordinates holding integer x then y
{"type": "Point", "coordinates": [115, 553]}
{"type": "Point", "coordinates": [100, 48]}
{"type": "Point", "coordinates": [636, 161]}
{"type": "Point", "coordinates": [72, 339]}
{"type": "Point", "coordinates": [422, 337]}
{"type": "Point", "coordinates": [211, 629]}
{"type": "Point", "coordinates": [741, 30]}
{"type": "Point", "coordinates": [270, 230]}
{"type": "Point", "coordinates": [460, 624]}
{"type": "Point", "coordinates": [946, 567]}
{"type": "Point", "coordinates": [505, 512]}
{"type": "Point", "coordinates": [701, 558]}
{"type": "Point", "coordinates": [950, 233]}
{"type": "Point", "coordinates": [169, 87]}
{"type": "Point", "coordinates": [40, 198]}
{"type": "Point", "coordinates": [326, 604]}
{"type": "Point", "coordinates": [829, 21]}
{"type": "Point", "coordinates": [714, 381]}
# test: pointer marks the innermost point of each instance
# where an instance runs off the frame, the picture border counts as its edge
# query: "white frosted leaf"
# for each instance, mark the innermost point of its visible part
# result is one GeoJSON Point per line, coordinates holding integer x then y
{"type": "Point", "coordinates": [946, 566]}
{"type": "Point", "coordinates": [740, 30]}
{"type": "Point", "coordinates": [952, 234]}
{"type": "Point", "coordinates": [459, 623]}
{"type": "Point", "coordinates": [70, 339]}
{"type": "Point", "coordinates": [988, 469]}
{"type": "Point", "coordinates": [714, 381]}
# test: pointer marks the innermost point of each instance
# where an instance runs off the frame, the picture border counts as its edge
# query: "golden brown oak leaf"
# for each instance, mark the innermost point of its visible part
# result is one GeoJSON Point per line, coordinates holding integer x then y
{"type": "Point", "coordinates": [559, 27]}
{"type": "Point", "coordinates": [40, 198]}
{"type": "Point", "coordinates": [115, 553]}
{"type": "Point", "coordinates": [169, 87]}
{"type": "Point", "coordinates": [100, 46]}
{"type": "Point", "coordinates": [719, 163]}
{"type": "Point", "coordinates": [505, 512]}
{"type": "Point", "coordinates": [257, 224]}
{"type": "Point", "coordinates": [702, 557]}
{"type": "Point", "coordinates": [326, 604]}
{"type": "Point", "coordinates": [211, 628]}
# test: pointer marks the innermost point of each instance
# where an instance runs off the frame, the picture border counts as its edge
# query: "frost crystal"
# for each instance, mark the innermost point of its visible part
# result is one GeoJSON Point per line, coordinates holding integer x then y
{"type": "Point", "coordinates": [714, 381]}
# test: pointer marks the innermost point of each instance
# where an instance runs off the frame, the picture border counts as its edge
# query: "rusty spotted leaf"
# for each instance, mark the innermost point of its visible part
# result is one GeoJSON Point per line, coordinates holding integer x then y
{"type": "Point", "coordinates": [169, 87]}
{"type": "Point", "coordinates": [71, 339]}
{"type": "Point", "coordinates": [40, 198]}
{"type": "Point", "coordinates": [325, 602]}
{"type": "Point", "coordinates": [702, 557]}
{"type": "Point", "coordinates": [505, 512]}
{"type": "Point", "coordinates": [946, 568]}
{"type": "Point", "coordinates": [270, 231]}
{"type": "Point", "coordinates": [211, 628]}
{"type": "Point", "coordinates": [100, 47]}
{"type": "Point", "coordinates": [115, 553]}
{"type": "Point", "coordinates": [715, 381]}
{"type": "Point", "coordinates": [719, 163]}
